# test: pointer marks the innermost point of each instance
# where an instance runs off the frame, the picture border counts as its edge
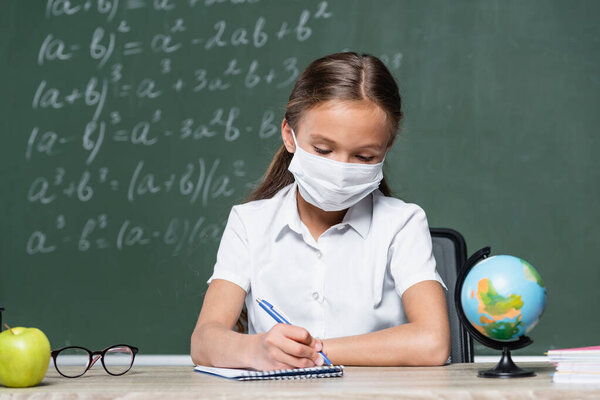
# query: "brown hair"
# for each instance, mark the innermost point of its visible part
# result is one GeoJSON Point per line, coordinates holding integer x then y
{"type": "Point", "coordinates": [340, 76]}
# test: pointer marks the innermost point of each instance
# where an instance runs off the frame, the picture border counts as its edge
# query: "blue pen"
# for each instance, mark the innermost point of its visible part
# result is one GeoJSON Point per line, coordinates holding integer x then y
{"type": "Point", "coordinates": [280, 317]}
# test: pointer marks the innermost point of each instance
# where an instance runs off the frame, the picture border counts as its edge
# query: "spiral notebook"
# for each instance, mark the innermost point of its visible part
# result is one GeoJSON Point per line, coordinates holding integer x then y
{"type": "Point", "coordinates": [325, 371]}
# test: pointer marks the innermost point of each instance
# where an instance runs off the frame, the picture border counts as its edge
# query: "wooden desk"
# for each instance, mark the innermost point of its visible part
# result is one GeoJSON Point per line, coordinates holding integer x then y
{"type": "Point", "coordinates": [457, 381]}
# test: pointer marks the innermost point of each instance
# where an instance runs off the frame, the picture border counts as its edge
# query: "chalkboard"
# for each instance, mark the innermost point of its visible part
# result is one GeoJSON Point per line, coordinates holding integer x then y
{"type": "Point", "coordinates": [130, 128]}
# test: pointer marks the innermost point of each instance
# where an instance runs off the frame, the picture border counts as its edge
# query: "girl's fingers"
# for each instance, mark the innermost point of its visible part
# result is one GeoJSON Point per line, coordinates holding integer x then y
{"type": "Point", "coordinates": [297, 349]}
{"type": "Point", "coordinates": [298, 334]}
{"type": "Point", "coordinates": [318, 345]}
{"type": "Point", "coordinates": [302, 343]}
{"type": "Point", "coordinates": [290, 361]}
{"type": "Point", "coordinates": [293, 346]}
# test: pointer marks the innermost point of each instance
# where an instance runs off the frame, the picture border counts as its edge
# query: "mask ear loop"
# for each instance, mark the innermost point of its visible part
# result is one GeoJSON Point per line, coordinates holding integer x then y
{"type": "Point", "coordinates": [298, 148]}
{"type": "Point", "coordinates": [384, 156]}
{"type": "Point", "coordinates": [294, 137]}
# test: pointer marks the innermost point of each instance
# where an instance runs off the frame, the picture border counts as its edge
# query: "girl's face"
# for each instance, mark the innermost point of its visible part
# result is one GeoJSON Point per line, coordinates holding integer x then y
{"type": "Point", "coordinates": [345, 131]}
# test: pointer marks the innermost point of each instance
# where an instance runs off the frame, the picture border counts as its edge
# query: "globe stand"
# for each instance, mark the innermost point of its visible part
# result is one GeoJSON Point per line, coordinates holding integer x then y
{"type": "Point", "coordinates": [505, 368]}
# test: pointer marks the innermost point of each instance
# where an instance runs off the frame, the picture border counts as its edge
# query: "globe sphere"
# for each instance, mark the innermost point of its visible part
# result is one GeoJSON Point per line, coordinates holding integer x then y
{"type": "Point", "coordinates": [503, 297]}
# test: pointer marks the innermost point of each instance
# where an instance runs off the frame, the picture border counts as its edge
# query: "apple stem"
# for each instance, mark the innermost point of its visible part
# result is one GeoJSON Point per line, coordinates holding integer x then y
{"type": "Point", "coordinates": [8, 327]}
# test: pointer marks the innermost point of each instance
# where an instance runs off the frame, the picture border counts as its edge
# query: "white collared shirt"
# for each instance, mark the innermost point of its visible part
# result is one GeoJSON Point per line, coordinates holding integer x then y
{"type": "Point", "coordinates": [348, 283]}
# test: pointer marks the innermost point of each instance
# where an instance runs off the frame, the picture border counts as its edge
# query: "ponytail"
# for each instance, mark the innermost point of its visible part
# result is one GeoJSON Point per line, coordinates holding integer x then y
{"type": "Point", "coordinates": [276, 178]}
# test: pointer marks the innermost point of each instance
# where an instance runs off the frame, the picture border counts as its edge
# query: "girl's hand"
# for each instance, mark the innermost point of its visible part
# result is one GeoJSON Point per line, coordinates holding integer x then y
{"type": "Point", "coordinates": [285, 347]}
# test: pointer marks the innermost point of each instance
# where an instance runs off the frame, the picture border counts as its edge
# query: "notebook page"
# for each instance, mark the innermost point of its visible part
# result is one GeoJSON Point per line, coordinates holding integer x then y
{"type": "Point", "coordinates": [230, 373]}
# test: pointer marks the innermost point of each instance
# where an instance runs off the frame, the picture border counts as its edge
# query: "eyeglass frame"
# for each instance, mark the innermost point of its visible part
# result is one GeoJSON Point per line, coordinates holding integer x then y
{"type": "Point", "coordinates": [94, 356]}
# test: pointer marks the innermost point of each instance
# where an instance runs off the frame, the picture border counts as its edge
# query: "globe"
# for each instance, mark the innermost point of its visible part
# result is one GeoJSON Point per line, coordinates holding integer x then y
{"type": "Point", "coordinates": [499, 299]}
{"type": "Point", "coordinates": [503, 297]}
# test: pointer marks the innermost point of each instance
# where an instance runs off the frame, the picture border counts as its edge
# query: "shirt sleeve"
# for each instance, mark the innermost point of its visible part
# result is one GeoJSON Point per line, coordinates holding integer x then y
{"type": "Point", "coordinates": [411, 253]}
{"type": "Point", "coordinates": [233, 262]}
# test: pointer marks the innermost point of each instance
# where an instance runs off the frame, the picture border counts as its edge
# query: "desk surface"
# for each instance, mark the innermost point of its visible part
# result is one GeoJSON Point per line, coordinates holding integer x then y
{"type": "Point", "coordinates": [456, 381]}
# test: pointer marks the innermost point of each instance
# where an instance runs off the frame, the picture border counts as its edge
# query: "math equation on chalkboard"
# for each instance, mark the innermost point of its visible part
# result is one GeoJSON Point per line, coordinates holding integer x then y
{"type": "Point", "coordinates": [149, 119]}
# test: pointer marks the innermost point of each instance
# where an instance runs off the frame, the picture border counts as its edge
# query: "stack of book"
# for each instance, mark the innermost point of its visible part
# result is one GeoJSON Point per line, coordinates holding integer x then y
{"type": "Point", "coordinates": [576, 365]}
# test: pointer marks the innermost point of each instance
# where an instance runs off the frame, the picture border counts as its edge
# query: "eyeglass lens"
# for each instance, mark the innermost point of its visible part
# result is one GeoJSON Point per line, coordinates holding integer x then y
{"type": "Point", "coordinates": [72, 361]}
{"type": "Point", "coordinates": [117, 360]}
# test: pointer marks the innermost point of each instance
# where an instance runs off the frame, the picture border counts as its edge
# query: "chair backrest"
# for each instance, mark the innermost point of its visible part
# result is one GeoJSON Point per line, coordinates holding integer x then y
{"type": "Point", "coordinates": [450, 252]}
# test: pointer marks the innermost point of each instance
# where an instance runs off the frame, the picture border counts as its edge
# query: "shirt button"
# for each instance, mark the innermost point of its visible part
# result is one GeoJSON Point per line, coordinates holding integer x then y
{"type": "Point", "coordinates": [319, 254]}
{"type": "Point", "coordinates": [315, 295]}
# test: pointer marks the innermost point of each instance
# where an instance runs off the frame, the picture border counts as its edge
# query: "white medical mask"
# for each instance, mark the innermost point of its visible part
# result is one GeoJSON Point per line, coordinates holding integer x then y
{"type": "Point", "coordinates": [332, 185]}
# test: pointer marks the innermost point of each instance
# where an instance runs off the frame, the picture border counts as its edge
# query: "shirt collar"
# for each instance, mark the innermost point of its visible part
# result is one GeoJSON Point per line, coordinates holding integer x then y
{"type": "Point", "coordinates": [288, 217]}
{"type": "Point", "coordinates": [358, 216]}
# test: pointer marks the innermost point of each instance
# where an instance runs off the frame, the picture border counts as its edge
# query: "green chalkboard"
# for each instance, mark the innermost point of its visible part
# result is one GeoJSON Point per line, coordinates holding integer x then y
{"type": "Point", "coordinates": [130, 127]}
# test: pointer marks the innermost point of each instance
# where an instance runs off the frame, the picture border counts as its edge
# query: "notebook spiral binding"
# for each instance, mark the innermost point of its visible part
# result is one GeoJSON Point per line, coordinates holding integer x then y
{"type": "Point", "coordinates": [302, 373]}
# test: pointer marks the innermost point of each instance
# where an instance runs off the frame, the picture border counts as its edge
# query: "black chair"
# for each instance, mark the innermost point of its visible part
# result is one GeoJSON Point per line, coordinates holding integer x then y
{"type": "Point", "coordinates": [450, 252]}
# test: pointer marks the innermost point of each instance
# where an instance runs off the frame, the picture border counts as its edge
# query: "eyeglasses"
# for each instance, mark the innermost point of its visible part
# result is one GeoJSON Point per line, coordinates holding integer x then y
{"type": "Point", "coordinates": [74, 361]}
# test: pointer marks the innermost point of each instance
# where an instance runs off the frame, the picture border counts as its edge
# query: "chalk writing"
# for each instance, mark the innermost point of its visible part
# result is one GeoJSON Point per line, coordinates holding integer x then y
{"type": "Point", "coordinates": [144, 130]}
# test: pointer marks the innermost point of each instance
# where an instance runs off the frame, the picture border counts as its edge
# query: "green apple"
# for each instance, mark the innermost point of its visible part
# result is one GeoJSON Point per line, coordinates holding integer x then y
{"type": "Point", "coordinates": [24, 356]}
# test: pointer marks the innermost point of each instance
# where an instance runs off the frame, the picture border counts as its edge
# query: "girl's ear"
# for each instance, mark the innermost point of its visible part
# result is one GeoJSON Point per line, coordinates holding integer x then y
{"type": "Point", "coordinates": [286, 135]}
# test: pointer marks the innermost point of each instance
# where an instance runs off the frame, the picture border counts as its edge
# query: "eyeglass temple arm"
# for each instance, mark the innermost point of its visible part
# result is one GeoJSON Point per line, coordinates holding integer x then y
{"type": "Point", "coordinates": [96, 358]}
{"type": "Point", "coordinates": [123, 348]}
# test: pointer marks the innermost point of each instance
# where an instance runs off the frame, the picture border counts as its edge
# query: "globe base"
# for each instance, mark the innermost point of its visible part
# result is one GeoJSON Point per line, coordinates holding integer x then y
{"type": "Point", "coordinates": [505, 368]}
